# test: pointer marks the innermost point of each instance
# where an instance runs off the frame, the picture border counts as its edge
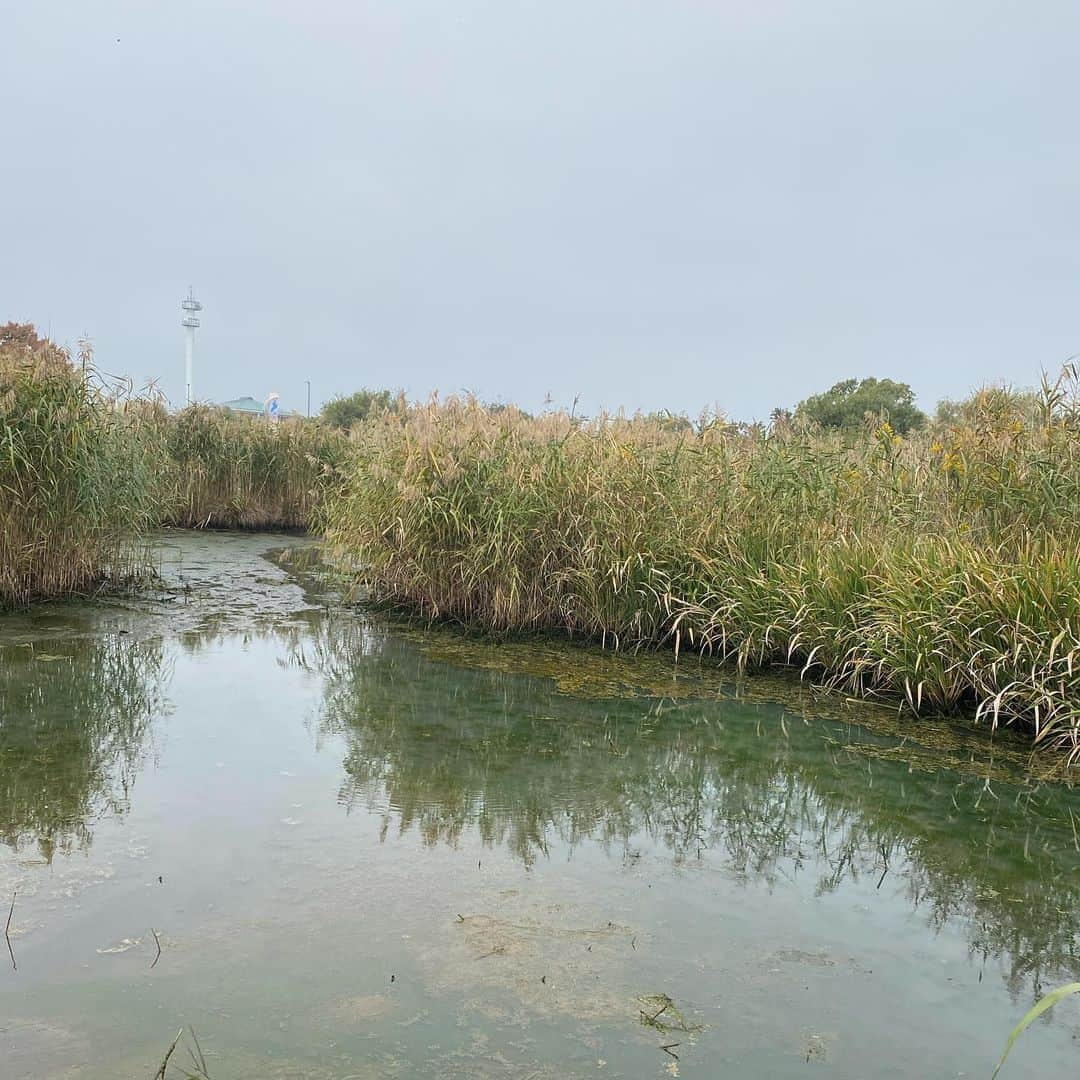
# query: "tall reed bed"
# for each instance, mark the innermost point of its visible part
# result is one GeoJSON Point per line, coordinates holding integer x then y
{"type": "Point", "coordinates": [942, 570]}
{"type": "Point", "coordinates": [87, 470]}
{"type": "Point", "coordinates": [78, 486]}
{"type": "Point", "coordinates": [228, 470]}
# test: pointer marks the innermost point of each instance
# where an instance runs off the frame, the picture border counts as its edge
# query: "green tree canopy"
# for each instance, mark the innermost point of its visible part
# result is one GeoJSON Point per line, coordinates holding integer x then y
{"type": "Point", "coordinates": [848, 403]}
{"type": "Point", "coordinates": [344, 411]}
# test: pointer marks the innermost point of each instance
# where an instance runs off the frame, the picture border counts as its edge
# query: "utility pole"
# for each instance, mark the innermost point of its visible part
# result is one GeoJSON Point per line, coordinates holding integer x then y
{"type": "Point", "coordinates": [308, 381]}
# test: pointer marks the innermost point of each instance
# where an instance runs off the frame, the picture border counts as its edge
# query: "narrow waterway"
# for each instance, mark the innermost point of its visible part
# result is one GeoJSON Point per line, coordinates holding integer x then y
{"type": "Point", "coordinates": [338, 848]}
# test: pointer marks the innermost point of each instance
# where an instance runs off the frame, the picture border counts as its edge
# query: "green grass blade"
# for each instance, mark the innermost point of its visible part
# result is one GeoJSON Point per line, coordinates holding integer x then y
{"type": "Point", "coordinates": [1032, 1015]}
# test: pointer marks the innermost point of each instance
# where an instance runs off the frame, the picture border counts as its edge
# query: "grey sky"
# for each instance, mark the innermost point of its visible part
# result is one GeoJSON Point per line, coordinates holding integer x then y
{"type": "Point", "coordinates": [663, 204]}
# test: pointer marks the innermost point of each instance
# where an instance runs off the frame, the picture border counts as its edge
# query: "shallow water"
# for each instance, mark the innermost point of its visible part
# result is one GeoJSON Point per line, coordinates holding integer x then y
{"type": "Point", "coordinates": [371, 851]}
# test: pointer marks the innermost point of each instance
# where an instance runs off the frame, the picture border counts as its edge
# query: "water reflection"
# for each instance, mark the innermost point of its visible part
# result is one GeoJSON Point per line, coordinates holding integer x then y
{"type": "Point", "coordinates": [452, 752]}
{"type": "Point", "coordinates": [75, 717]}
{"type": "Point", "coordinates": [444, 750]}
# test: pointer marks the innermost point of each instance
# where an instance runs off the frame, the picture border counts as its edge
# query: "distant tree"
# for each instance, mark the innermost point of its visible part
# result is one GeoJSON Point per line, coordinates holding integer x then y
{"type": "Point", "coordinates": [849, 403]}
{"type": "Point", "coordinates": [344, 411]}
{"type": "Point", "coordinates": [948, 412]}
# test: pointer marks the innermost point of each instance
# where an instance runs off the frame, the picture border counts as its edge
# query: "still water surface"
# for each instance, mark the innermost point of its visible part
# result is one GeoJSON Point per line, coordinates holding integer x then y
{"type": "Point", "coordinates": [374, 852]}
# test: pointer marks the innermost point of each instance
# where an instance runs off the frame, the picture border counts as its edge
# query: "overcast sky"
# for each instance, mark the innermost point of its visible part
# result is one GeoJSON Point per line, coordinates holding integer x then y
{"type": "Point", "coordinates": [655, 205]}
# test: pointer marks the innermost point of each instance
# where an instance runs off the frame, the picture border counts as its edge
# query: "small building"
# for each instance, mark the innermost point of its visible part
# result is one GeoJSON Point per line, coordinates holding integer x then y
{"type": "Point", "coordinates": [248, 405]}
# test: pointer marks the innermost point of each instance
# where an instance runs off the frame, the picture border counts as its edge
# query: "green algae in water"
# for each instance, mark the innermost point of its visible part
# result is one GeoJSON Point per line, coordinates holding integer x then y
{"type": "Point", "coordinates": [585, 671]}
{"type": "Point", "coordinates": [659, 1011]}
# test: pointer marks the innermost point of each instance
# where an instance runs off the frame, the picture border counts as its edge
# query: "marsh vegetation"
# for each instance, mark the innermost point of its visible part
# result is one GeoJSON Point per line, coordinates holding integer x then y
{"type": "Point", "coordinates": [88, 468]}
{"type": "Point", "coordinates": [233, 471]}
{"type": "Point", "coordinates": [77, 482]}
{"type": "Point", "coordinates": [938, 570]}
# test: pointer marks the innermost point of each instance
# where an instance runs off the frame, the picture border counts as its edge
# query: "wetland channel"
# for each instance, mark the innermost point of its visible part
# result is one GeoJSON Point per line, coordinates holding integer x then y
{"type": "Point", "coordinates": [339, 847]}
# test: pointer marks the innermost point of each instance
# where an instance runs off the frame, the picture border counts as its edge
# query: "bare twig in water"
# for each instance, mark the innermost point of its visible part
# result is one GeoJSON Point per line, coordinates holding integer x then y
{"type": "Point", "coordinates": [670, 1050]}
{"type": "Point", "coordinates": [157, 942]}
{"type": "Point", "coordinates": [7, 932]}
{"type": "Point", "coordinates": [160, 1074]}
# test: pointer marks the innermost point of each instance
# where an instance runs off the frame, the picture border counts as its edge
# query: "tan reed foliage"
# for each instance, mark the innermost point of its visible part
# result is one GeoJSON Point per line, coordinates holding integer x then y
{"type": "Point", "coordinates": [77, 485]}
{"type": "Point", "coordinates": [941, 570]}
{"type": "Point", "coordinates": [235, 471]}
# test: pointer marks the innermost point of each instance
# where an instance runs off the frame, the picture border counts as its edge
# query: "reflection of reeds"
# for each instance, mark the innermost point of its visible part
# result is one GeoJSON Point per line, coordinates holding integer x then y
{"type": "Point", "coordinates": [451, 752]}
{"type": "Point", "coordinates": [73, 729]}
{"type": "Point", "coordinates": [942, 570]}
